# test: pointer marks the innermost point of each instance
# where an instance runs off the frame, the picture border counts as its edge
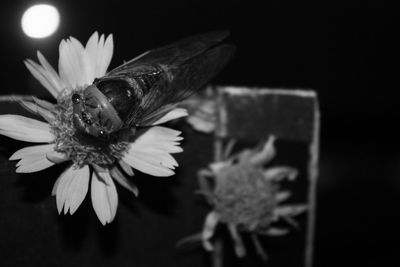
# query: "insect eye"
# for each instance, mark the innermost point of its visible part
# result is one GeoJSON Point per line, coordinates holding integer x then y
{"type": "Point", "coordinates": [76, 98]}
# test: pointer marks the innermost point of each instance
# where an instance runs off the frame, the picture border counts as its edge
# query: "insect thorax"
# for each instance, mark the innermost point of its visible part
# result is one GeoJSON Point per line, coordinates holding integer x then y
{"type": "Point", "coordinates": [125, 92]}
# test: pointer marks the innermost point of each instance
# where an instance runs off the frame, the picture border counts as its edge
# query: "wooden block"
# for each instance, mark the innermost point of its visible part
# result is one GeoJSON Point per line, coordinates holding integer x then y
{"type": "Point", "coordinates": [247, 113]}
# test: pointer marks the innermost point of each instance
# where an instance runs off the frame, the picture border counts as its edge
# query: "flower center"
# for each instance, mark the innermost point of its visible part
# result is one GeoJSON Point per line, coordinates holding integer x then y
{"type": "Point", "coordinates": [244, 197]}
{"type": "Point", "coordinates": [81, 148]}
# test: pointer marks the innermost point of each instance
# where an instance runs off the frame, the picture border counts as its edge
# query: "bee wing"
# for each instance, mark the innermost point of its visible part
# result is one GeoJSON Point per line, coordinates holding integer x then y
{"type": "Point", "coordinates": [186, 65]}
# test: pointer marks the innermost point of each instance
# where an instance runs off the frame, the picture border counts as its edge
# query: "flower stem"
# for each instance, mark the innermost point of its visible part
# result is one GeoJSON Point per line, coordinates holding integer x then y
{"type": "Point", "coordinates": [14, 98]}
{"type": "Point", "coordinates": [217, 253]}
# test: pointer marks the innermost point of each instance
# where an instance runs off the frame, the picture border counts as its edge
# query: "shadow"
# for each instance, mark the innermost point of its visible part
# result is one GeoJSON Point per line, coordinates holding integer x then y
{"type": "Point", "coordinates": [108, 237]}
{"type": "Point", "coordinates": [37, 186]}
{"type": "Point", "coordinates": [76, 228]}
{"type": "Point", "coordinates": [157, 193]}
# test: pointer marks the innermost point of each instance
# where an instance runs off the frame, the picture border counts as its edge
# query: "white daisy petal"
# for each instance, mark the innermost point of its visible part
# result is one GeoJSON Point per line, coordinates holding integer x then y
{"type": "Point", "coordinates": [92, 51]}
{"type": "Point", "coordinates": [127, 169]}
{"type": "Point", "coordinates": [150, 152]}
{"type": "Point", "coordinates": [154, 168]}
{"type": "Point", "coordinates": [121, 179]}
{"type": "Point", "coordinates": [161, 137]}
{"type": "Point", "coordinates": [36, 109]}
{"type": "Point", "coordinates": [71, 189]}
{"type": "Point", "coordinates": [100, 53]}
{"type": "Point", "coordinates": [41, 75]}
{"type": "Point", "coordinates": [74, 64]}
{"type": "Point", "coordinates": [106, 55]}
{"type": "Point", "coordinates": [55, 186]}
{"type": "Point", "coordinates": [172, 115]}
{"type": "Point", "coordinates": [25, 129]}
{"type": "Point", "coordinates": [32, 151]}
{"type": "Point", "coordinates": [104, 197]}
{"type": "Point", "coordinates": [44, 104]}
{"type": "Point", "coordinates": [56, 157]}
{"type": "Point", "coordinates": [52, 76]}
{"type": "Point", "coordinates": [33, 164]}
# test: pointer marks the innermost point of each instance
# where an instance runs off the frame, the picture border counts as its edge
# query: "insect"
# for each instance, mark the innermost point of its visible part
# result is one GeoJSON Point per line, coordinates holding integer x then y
{"type": "Point", "coordinates": [142, 90]}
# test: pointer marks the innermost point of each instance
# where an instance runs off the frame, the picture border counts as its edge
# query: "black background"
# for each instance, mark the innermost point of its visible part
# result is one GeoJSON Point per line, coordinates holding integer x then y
{"type": "Point", "coordinates": [343, 50]}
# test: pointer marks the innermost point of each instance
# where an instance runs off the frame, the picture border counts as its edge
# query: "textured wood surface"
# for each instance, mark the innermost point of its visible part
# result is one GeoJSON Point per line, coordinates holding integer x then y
{"type": "Point", "coordinates": [250, 113]}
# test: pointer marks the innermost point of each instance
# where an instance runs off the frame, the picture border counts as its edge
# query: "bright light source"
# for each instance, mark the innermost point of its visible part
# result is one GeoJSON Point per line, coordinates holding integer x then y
{"type": "Point", "coordinates": [40, 21]}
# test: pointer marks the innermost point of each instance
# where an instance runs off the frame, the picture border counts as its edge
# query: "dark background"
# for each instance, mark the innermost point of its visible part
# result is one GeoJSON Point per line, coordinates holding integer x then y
{"type": "Point", "coordinates": [343, 50]}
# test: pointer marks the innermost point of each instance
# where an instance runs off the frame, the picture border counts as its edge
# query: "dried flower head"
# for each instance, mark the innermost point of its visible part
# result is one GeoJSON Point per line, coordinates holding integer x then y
{"type": "Point", "coordinates": [148, 151]}
{"type": "Point", "coordinates": [246, 196]}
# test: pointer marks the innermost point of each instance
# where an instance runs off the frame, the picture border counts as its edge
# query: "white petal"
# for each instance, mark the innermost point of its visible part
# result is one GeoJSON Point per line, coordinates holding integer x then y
{"type": "Point", "coordinates": [106, 55]}
{"type": "Point", "coordinates": [216, 167]}
{"type": "Point", "coordinates": [33, 158]}
{"type": "Point", "coordinates": [104, 197]}
{"type": "Point", "coordinates": [201, 125]}
{"type": "Point", "coordinates": [92, 51]}
{"type": "Point", "coordinates": [25, 129]}
{"type": "Point", "coordinates": [282, 196]}
{"type": "Point", "coordinates": [33, 164]}
{"type": "Point", "coordinates": [160, 138]}
{"type": "Point", "coordinates": [290, 210]}
{"type": "Point", "coordinates": [51, 74]}
{"type": "Point", "coordinates": [279, 173]}
{"type": "Point", "coordinates": [42, 76]}
{"type": "Point", "coordinates": [266, 154]}
{"type": "Point", "coordinates": [127, 169]}
{"type": "Point", "coordinates": [74, 64]}
{"type": "Point", "coordinates": [240, 250]}
{"type": "Point", "coordinates": [121, 179]}
{"type": "Point", "coordinates": [203, 118]}
{"type": "Point", "coordinates": [44, 104]}
{"type": "Point", "coordinates": [150, 152]}
{"type": "Point", "coordinates": [172, 115]}
{"type": "Point", "coordinates": [32, 151]}
{"type": "Point", "coordinates": [36, 109]}
{"type": "Point", "coordinates": [210, 224]}
{"type": "Point", "coordinates": [100, 53]}
{"type": "Point", "coordinates": [154, 167]}
{"type": "Point", "coordinates": [259, 248]}
{"type": "Point", "coordinates": [56, 157]}
{"type": "Point", "coordinates": [275, 231]}
{"type": "Point", "coordinates": [71, 188]}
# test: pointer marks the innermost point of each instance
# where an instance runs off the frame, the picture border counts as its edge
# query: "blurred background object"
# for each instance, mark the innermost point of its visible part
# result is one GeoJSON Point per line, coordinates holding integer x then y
{"type": "Point", "coordinates": [344, 51]}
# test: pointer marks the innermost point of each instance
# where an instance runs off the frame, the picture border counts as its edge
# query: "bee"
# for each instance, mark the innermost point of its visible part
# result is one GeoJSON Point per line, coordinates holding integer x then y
{"type": "Point", "coordinates": [142, 90]}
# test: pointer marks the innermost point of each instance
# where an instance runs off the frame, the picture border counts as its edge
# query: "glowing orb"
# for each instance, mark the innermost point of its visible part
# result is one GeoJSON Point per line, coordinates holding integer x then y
{"type": "Point", "coordinates": [40, 21]}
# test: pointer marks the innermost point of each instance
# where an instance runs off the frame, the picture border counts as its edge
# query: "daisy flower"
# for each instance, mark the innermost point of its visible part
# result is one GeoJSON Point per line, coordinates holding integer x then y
{"type": "Point", "coordinates": [202, 108]}
{"type": "Point", "coordinates": [57, 141]}
{"type": "Point", "coordinates": [246, 197]}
